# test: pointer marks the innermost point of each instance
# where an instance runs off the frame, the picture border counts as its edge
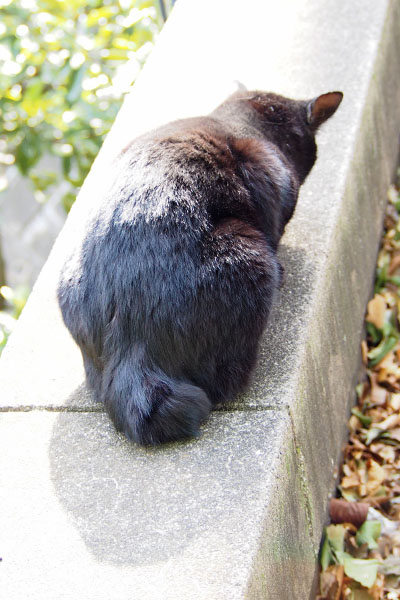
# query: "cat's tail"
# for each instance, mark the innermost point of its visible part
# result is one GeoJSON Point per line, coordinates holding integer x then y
{"type": "Point", "coordinates": [148, 406]}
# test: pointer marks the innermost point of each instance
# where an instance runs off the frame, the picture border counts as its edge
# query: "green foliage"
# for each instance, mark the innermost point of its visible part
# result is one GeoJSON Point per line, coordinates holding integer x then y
{"type": "Point", "coordinates": [15, 301]}
{"type": "Point", "coordinates": [63, 75]}
{"type": "Point", "coordinates": [362, 570]}
{"type": "Point", "coordinates": [368, 534]}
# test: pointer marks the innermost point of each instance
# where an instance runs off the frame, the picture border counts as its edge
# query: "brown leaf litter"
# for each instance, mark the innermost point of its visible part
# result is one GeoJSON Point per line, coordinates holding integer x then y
{"type": "Point", "coordinates": [360, 554]}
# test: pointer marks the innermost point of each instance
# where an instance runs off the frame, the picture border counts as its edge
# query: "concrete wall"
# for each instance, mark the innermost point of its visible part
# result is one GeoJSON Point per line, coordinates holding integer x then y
{"type": "Point", "coordinates": [238, 513]}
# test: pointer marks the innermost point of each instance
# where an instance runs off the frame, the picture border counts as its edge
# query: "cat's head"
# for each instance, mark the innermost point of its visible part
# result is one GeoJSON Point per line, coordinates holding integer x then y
{"type": "Point", "coordinates": [290, 124]}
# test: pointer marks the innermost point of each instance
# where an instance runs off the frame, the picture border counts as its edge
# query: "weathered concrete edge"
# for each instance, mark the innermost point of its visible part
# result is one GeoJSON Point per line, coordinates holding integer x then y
{"type": "Point", "coordinates": [343, 289]}
{"type": "Point", "coordinates": [337, 311]}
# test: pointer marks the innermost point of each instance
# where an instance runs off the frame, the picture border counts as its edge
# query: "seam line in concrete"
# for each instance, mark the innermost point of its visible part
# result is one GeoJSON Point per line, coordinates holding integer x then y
{"type": "Point", "coordinates": [250, 408]}
{"type": "Point", "coordinates": [72, 409]}
{"type": "Point", "coordinates": [100, 408]}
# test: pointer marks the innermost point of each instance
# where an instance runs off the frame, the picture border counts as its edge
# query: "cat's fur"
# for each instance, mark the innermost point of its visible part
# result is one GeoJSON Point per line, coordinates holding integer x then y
{"type": "Point", "coordinates": [169, 290]}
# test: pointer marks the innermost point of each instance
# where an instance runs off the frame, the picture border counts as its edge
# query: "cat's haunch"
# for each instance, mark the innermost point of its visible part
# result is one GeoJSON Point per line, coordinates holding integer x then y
{"type": "Point", "coordinates": [169, 290]}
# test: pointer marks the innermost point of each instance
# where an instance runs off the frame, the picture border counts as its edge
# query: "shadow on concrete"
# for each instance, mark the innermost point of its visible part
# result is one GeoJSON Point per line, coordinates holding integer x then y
{"type": "Point", "coordinates": [138, 506]}
{"type": "Point", "coordinates": [284, 335]}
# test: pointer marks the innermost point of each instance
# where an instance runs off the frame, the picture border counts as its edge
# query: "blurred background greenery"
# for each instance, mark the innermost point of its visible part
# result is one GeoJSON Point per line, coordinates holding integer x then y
{"type": "Point", "coordinates": [65, 66]}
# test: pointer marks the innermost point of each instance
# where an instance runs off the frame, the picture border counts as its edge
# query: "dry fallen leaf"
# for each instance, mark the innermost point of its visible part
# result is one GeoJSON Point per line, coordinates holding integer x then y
{"type": "Point", "coordinates": [395, 434]}
{"type": "Point", "coordinates": [354, 423]}
{"type": "Point", "coordinates": [331, 582]}
{"type": "Point", "coordinates": [376, 591]}
{"type": "Point", "coordinates": [341, 511]}
{"type": "Point", "coordinates": [364, 352]}
{"type": "Point", "coordinates": [394, 263]}
{"type": "Point", "coordinates": [350, 481]}
{"type": "Point", "coordinates": [387, 453]}
{"type": "Point", "coordinates": [389, 423]}
{"type": "Point", "coordinates": [378, 395]}
{"type": "Point", "coordinates": [376, 311]}
{"type": "Point", "coordinates": [376, 475]}
{"type": "Point", "coordinates": [394, 401]}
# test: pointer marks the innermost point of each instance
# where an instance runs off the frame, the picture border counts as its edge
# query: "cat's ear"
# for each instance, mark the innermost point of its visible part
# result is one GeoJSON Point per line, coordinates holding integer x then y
{"type": "Point", "coordinates": [239, 86]}
{"type": "Point", "coordinates": [234, 87]}
{"type": "Point", "coordinates": [323, 107]}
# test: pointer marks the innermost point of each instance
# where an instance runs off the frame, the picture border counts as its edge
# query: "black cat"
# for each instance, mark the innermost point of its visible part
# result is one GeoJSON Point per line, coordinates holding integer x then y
{"type": "Point", "coordinates": [169, 291]}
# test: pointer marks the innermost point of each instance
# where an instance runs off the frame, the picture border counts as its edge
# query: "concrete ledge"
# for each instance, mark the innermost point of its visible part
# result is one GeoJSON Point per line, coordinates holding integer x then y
{"type": "Point", "coordinates": [239, 513]}
{"type": "Point", "coordinates": [108, 520]}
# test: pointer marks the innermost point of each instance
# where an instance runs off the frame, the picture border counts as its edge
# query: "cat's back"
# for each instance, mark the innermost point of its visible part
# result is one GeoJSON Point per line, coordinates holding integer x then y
{"type": "Point", "coordinates": [150, 228]}
{"type": "Point", "coordinates": [172, 173]}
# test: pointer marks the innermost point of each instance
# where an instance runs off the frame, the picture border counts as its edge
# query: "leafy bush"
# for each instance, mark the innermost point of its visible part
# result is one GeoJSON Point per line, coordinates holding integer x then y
{"type": "Point", "coordinates": [65, 70]}
{"type": "Point", "coordinates": [14, 301]}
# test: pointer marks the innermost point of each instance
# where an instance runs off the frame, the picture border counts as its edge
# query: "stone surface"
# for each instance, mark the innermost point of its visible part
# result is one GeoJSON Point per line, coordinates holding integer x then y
{"type": "Point", "coordinates": [303, 383]}
{"type": "Point", "coordinates": [87, 515]}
